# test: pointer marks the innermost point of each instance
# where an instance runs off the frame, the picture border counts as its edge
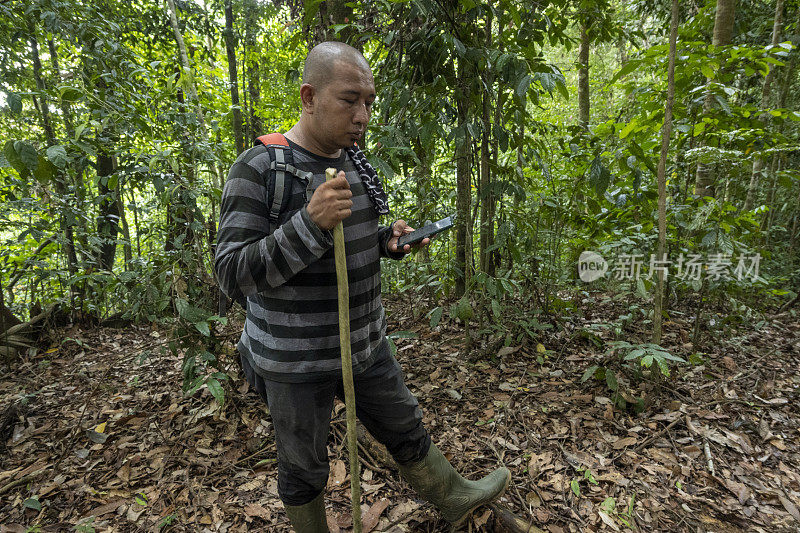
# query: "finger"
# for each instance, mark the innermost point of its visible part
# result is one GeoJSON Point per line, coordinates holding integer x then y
{"type": "Point", "coordinates": [339, 182]}
{"type": "Point", "coordinates": [344, 204]}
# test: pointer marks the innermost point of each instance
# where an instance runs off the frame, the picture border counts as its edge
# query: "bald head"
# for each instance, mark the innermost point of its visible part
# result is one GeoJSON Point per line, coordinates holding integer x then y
{"type": "Point", "coordinates": [322, 59]}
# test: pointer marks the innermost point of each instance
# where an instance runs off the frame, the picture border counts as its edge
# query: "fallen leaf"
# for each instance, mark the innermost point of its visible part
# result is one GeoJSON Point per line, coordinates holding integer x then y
{"type": "Point", "coordinates": [124, 473]}
{"type": "Point", "coordinates": [338, 473]}
{"type": "Point", "coordinates": [607, 520]}
{"type": "Point", "coordinates": [739, 490]}
{"type": "Point", "coordinates": [373, 514]}
{"type": "Point", "coordinates": [251, 485]}
{"type": "Point", "coordinates": [507, 350]}
{"type": "Point", "coordinates": [96, 437]}
{"type": "Point", "coordinates": [254, 509]}
{"type": "Point", "coordinates": [790, 507]}
{"type": "Point", "coordinates": [624, 442]}
{"type": "Point", "coordinates": [481, 521]}
{"type": "Point", "coordinates": [533, 499]}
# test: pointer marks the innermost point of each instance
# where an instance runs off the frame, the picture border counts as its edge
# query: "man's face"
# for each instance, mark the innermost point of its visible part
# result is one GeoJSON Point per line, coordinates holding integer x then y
{"type": "Point", "coordinates": [342, 107]}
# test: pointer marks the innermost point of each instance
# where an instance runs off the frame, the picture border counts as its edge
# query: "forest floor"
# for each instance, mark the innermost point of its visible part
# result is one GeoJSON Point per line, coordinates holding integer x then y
{"type": "Point", "coordinates": [98, 437]}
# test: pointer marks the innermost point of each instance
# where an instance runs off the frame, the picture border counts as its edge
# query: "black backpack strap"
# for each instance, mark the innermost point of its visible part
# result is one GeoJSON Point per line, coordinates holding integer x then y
{"type": "Point", "coordinates": [282, 167]}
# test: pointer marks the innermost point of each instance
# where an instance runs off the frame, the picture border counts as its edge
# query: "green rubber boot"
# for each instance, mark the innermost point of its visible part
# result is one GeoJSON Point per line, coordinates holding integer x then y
{"type": "Point", "coordinates": [435, 479]}
{"type": "Point", "coordinates": [308, 518]}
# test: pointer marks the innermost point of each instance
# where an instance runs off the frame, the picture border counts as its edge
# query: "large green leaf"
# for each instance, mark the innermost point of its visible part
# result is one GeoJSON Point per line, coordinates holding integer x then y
{"type": "Point", "coordinates": [14, 103]}
{"type": "Point", "coordinates": [58, 156]}
{"type": "Point", "coordinates": [629, 67]}
{"type": "Point", "coordinates": [216, 390]}
{"type": "Point", "coordinates": [191, 313]}
{"type": "Point", "coordinates": [14, 159]}
{"type": "Point", "coordinates": [599, 176]}
{"type": "Point", "coordinates": [45, 170]}
{"type": "Point", "coordinates": [70, 94]}
{"type": "Point", "coordinates": [27, 154]}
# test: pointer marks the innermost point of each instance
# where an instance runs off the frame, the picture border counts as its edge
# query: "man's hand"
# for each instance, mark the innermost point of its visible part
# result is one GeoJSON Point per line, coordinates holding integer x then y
{"type": "Point", "coordinates": [331, 202]}
{"type": "Point", "coordinates": [401, 228]}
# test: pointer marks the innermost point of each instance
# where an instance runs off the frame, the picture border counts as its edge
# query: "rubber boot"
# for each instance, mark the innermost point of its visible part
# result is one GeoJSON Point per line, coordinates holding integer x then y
{"type": "Point", "coordinates": [308, 518]}
{"type": "Point", "coordinates": [435, 479]}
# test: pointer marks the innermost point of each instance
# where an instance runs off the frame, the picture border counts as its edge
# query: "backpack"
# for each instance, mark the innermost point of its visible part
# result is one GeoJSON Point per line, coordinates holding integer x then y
{"type": "Point", "coordinates": [279, 191]}
{"type": "Point", "coordinates": [279, 179]}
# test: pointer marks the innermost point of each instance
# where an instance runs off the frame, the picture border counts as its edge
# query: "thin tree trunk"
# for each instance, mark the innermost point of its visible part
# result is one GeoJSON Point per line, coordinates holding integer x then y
{"type": "Point", "coordinates": [494, 255]}
{"type": "Point", "coordinates": [758, 162]}
{"type": "Point", "coordinates": [783, 93]}
{"type": "Point", "coordinates": [189, 72]}
{"type": "Point", "coordinates": [463, 192]}
{"type": "Point", "coordinates": [136, 224]}
{"type": "Point", "coordinates": [253, 72]}
{"type": "Point", "coordinates": [723, 31]}
{"type": "Point", "coordinates": [126, 232]}
{"type": "Point", "coordinates": [230, 49]}
{"type": "Point", "coordinates": [108, 217]}
{"type": "Point", "coordinates": [486, 197]}
{"type": "Point", "coordinates": [796, 223]}
{"type": "Point", "coordinates": [422, 174]}
{"type": "Point", "coordinates": [338, 12]}
{"type": "Point", "coordinates": [662, 175]}
{"type": "Point", "coordinates": [583, 76]}
{"type": "Point", "coordinates": [59, 179]}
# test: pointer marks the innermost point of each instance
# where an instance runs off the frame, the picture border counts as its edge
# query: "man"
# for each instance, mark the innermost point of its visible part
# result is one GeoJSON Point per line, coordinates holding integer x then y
{"type": "Point", "coordinates": [290, 344]}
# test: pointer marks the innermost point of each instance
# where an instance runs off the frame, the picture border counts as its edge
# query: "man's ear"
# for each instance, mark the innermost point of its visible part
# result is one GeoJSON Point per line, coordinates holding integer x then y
{"type": "Point", "coordinates": [307, 94]}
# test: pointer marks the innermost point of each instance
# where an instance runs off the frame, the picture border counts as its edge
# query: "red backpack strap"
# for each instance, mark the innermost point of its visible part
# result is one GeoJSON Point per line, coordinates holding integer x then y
{"type": "Point", "coordinates": [273, 139]}
{"type": "Point", "coordinates": [282, 169]}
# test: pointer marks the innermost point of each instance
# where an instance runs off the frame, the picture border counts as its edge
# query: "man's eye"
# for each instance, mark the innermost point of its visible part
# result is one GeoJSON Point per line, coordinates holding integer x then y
{"type": "Point", "coordinates": [351, 102]}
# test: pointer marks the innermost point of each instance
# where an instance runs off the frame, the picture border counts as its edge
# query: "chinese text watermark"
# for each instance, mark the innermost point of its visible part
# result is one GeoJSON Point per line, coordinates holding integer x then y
{"type": "Point", "coordinates": [691, 267]}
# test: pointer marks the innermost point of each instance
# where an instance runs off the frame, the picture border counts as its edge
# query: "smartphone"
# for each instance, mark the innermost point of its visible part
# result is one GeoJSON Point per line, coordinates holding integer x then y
{"type": "Point", "coordinates": [428, 230]}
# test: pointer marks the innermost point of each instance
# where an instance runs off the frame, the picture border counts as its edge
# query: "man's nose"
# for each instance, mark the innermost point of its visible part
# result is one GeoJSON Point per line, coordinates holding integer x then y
{"type": "Point", "coordinates": [361, 115]}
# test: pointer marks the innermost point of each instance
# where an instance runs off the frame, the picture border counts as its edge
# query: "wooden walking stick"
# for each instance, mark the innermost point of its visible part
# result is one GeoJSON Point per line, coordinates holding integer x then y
{"type": "Point", "coordinates": [347, 365]}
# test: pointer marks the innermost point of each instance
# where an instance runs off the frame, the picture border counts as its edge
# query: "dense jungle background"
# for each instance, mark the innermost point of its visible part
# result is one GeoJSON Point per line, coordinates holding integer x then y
{"type": "Point", "coordinates": [614, 315]}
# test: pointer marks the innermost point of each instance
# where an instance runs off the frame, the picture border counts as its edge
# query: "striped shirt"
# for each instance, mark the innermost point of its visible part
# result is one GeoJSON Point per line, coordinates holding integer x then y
{"type": "Point", "coordinates": [288, 277]}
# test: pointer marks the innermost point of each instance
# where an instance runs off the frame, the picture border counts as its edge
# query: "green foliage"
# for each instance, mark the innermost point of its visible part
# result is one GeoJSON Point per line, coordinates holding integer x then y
{"type": "Point", "coordinates": [556, 188]}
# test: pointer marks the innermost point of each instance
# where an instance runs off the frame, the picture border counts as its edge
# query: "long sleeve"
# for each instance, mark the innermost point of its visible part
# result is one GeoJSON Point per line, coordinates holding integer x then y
{"type": "Point", "coordinates": [384, 236]}
{"type": "Point", "coordinates": [248, 260]}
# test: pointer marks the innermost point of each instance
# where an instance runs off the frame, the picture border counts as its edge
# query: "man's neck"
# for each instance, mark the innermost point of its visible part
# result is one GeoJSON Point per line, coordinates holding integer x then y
{"type": "Point", "coordinates": [298, 136]}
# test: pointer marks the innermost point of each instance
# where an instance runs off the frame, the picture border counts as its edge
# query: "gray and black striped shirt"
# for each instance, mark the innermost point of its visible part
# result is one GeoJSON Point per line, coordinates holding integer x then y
{"type": "Point", "coordinates": [289, 278]}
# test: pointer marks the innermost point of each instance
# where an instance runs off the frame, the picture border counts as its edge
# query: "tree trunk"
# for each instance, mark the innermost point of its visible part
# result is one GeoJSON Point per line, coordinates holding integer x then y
{"type": "Point", "coordinates": [422, 174]}
{"type": "Point", "coordinates": [230, 49]}
{"type": "Point", "coordinates": [583, 76]}
{"type": "Point", "coordinates": [723, 31]}
{"type": "Point", "coordinates": [108, 217]}
{"type": "Point", "coordinates": [486, 196]}
{"type": "Point", "coordinates": [338, 12]}
{"type": "Point", "coordinates": [783, 93]}
{"type": "Point", "coordinates": [59, 179]}
{"type": "Point", "coordinates": [494, 255]}
{"type": "Point", "coordinates": [463, 192]}
{"type": "Point", "coordinates": [126, 232]}
{"type": "Point", "coordinates": [253, 72]}
{"type": "Point", "coordinates": [758, 162]}
{"type": "Point", "coordinates": [190, 86]}
{"type": "Point", "coordinates": [662, 175]}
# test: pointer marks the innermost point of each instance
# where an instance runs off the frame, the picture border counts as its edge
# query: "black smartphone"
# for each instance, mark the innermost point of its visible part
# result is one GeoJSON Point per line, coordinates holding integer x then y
{"type": "Point", "coordinates": [428, 230]}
